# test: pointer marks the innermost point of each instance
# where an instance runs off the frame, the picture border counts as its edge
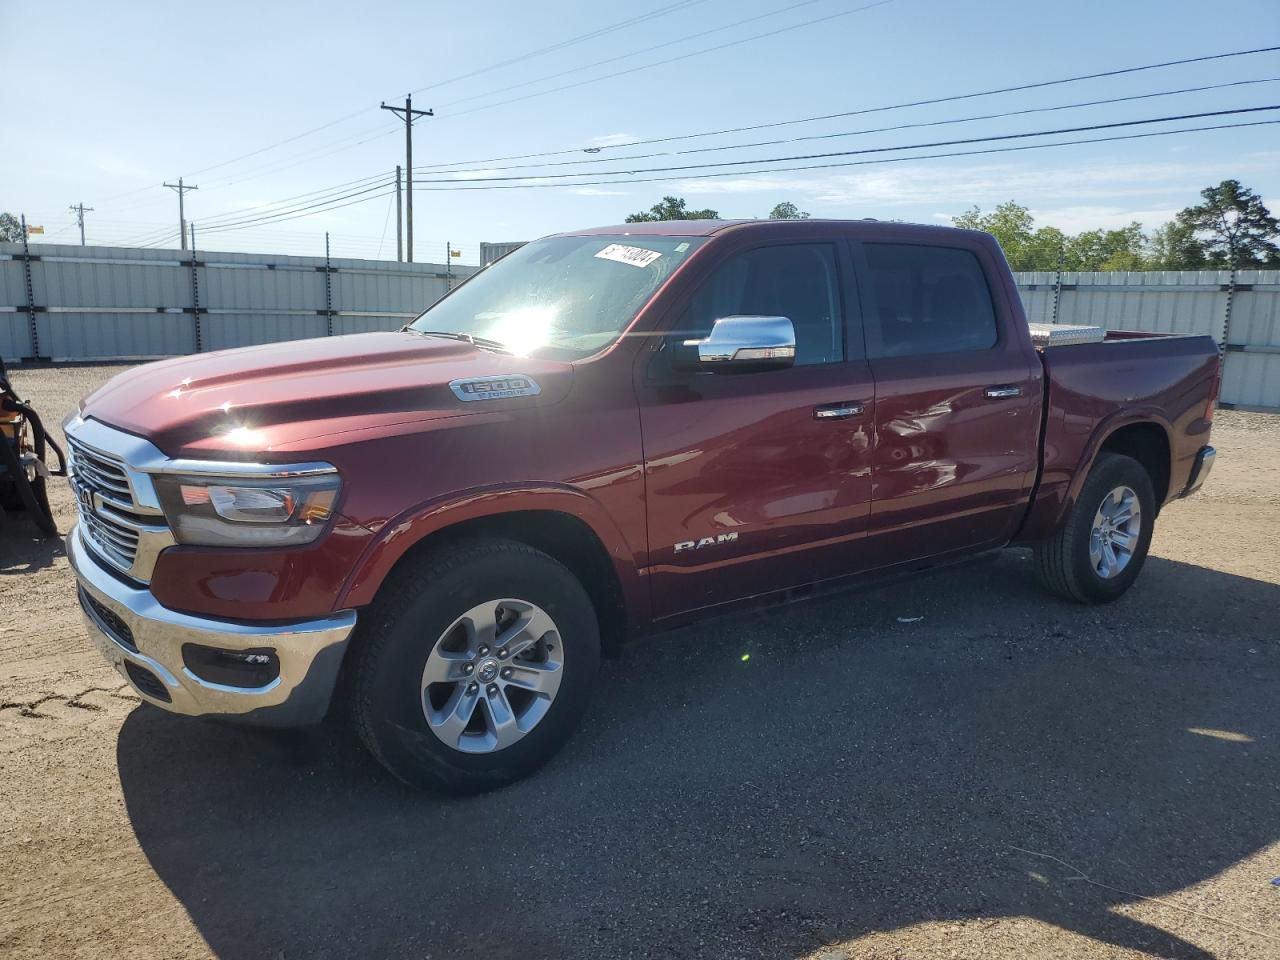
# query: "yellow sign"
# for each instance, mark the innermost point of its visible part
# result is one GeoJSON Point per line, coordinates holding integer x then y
{"type": "Point", "coordinates": [32, 228]}
{"type": "Point", "coordinates": [455, 253]}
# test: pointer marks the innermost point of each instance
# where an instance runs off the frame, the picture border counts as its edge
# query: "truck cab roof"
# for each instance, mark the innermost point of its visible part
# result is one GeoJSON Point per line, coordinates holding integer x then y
{"type": "Point", "coordinates": [707, 228]}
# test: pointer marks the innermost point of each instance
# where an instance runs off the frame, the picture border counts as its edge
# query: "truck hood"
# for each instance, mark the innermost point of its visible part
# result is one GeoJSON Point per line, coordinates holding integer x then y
{"type": "Point", "coordinates": [280, 397]}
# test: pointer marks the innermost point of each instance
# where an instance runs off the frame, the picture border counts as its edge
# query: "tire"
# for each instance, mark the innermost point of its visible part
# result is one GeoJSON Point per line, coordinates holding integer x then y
{"type": "Point", "coordinates": [1064, 561]}
{"type": "Point", "coordinates": [419, 622]}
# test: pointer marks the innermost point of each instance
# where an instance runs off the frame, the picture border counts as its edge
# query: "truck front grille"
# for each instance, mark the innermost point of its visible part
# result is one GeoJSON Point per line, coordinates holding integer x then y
{"type": "Point", "coordinates": [111, 625]}
{"type": "Point", "coordinates": [122, 532]}
{"type": "Point", "coordinates": [101, 472]}
{"type": "Point", "coordinates": [110, 537]}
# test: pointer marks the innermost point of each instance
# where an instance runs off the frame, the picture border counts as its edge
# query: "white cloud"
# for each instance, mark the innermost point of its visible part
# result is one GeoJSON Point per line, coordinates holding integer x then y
{"type": "Point", "coordinates": [597, 192]}
{"type": "Point", "coordinates": [614, 140]}
{"type": "Point", "coordinates": [1079, 218]}
{"type": "Point", "coordinates": [474, 174]}
{"type": "Point", "coordinates": [757, 184]}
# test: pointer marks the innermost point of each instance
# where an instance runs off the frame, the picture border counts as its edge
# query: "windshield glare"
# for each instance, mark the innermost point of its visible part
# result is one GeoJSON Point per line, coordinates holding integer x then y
{"type": "Point", "coordinates": [561, 298]}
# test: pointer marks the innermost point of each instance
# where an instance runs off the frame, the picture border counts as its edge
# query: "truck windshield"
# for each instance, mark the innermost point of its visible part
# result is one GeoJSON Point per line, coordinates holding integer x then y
{"type": "Point", "coordinates": [562, 298]}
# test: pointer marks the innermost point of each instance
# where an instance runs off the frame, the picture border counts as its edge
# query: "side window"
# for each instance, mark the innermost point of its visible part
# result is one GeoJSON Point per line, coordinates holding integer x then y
{"type": "Point", "coordinates": [796, 281]}
{"type": "Point", "coordinates": [926, 300]}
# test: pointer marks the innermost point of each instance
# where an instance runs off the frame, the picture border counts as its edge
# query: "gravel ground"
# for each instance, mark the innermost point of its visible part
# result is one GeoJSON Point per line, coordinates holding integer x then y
{"type": "Point", "coordinates": [1010, 776]}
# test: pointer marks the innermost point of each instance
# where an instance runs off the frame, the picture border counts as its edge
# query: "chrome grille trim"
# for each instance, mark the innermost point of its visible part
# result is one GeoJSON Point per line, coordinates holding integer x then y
{"type": "Point", "coordinates": [100, 471]}
{"type": "Point", "coordinates": [124, 527]}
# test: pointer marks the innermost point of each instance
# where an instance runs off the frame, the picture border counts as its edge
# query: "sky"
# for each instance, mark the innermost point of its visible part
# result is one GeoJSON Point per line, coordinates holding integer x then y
{"type": "Point", "coordinates": [272, 111]}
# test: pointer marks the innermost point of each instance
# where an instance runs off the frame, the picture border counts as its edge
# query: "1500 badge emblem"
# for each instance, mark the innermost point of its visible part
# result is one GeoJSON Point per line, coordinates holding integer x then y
{"type": "Point", "coordinates": [720, 538]}
{"type": "Point", "coordinates": [495, 388]}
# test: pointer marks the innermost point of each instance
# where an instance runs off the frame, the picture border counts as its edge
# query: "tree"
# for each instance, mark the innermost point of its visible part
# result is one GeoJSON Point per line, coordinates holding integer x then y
{"type": "Point", "coordinates": [1009, 223]}
{"type": "Point", "coordinates": [1175, 247]}
{"type": "Point", "coordinates": [1237, 227]}
{"type": "Point", "coordinates": [788, 211]}
{"type": "Point", "coordinates": [10, 228]}
{"type": "Point", "coordinates": [1122, 249]}
{"type": "Point", "coordinates": [671, 208]}
{"type": "Point", "coordinates": [1046, 250]}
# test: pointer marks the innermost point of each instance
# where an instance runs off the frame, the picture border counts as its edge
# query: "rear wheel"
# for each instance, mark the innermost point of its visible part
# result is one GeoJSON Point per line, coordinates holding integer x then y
{"type": "Point", "coordinates": [475, 666]}
{"type": "Point", "coordinates": [1100, 548]}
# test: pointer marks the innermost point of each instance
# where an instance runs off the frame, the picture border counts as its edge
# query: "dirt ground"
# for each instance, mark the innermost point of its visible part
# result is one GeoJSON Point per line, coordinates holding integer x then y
{"type": "Point", "coordinates": [1010, 776]}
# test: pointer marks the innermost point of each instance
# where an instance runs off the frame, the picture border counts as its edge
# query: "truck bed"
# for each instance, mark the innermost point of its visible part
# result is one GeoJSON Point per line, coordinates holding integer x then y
{"type": "Point", "coordinates": [1094, 389]}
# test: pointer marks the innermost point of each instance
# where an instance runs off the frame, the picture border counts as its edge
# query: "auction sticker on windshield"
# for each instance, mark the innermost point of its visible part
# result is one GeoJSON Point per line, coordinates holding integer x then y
{"type": "Point", "coordinates": [633, 256]}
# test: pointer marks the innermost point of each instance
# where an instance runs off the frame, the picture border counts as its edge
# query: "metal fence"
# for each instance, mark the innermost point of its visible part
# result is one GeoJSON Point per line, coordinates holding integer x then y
{"type": "Point", "coordinates": [1240, 310]}
{"type": "Point", "coordinates": [489, 252]}
{"type": "Point", "coordinates": [106, 303]}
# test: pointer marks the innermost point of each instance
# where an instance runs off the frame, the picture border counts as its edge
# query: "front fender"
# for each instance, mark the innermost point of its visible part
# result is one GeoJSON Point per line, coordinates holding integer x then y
{"type": "Point", "coordinates": [406, 530]}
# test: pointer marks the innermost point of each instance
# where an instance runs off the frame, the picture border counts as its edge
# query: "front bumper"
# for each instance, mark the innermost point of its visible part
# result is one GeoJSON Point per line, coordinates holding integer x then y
{"type": "Point", "coordinates": [1200, 470]}
{"type": "Point", "coordinates": [144, 641]}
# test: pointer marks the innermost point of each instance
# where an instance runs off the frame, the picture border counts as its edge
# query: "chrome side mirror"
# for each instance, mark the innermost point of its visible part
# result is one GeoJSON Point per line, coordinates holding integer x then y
{"type": "Point", "coordinates": [745, 344]}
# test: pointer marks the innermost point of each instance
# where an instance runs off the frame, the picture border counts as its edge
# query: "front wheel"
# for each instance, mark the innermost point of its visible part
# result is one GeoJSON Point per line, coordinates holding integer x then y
{"type": "Point", "coordinates": [475, 665]}
{"type": "Point", "coordinates": [1100, 548]}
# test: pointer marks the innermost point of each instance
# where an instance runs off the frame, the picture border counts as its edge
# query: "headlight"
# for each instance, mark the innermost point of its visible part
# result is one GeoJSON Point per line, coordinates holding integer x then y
{"type": "Point", "coordinates": [244, 512]}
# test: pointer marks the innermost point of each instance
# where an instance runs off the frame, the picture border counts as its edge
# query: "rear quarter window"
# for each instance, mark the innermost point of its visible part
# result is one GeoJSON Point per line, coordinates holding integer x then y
{"type": "Point", "coordinates": [926, 300]}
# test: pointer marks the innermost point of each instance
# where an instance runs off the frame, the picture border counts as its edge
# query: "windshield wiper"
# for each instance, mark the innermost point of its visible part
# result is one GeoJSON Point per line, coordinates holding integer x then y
{"type": "Point", "coordinates": [464, 337]}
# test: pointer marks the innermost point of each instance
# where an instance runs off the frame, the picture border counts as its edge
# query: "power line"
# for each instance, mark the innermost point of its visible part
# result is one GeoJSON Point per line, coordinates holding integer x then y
{"type": "Point", "coordinates": [634, 53]}
{"type": "Point", "coordinates": [653, 14]}
{"type": "Point", "coordinates": [867, 110]}
{"type": "Point", "coordinates": [338, 146]}
{"type": "Point", "coordinates": [317, 207]}
{"type": "Point", "coordinates": [307, 213]}
{"type": "Point", "coordinates": [661, 11]}
{"type": "Point", "coordinates": [367, 136]}
{"type": "Point", "coordinates": [849, 153]}
{"type": "Point", "coordinates": [684, 56]}
{"type": "Point", "coordinates": [311, 195]}
{"type": "Point", "coordinates": [318, 198]}
{"type": "Point", "coordinates": [854, 133]}
{"type": "Point", "coordinates": [860, 163]}
{"type": "Point", "coordinates": [370, 192]}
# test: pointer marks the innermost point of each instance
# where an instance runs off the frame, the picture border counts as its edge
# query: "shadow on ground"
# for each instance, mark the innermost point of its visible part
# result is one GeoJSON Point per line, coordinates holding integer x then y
{"type": "Point", "coordinates": [23, 549]}
{"type": "Point", "coordinates": [855, 774]}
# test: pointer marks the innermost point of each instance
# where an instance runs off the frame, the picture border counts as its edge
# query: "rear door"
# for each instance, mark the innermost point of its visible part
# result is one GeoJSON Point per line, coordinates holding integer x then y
{"type": "Point", "coordinates": [958, 400]}
{"type": "Point", "coordinates": [748, 489]}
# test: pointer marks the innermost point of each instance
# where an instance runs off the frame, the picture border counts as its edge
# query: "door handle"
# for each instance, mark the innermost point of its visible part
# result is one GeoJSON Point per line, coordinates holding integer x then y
{"type": "Point", "coordinates": [1003, 391]}
{"type": "Point", "coordinates": [838, 411]}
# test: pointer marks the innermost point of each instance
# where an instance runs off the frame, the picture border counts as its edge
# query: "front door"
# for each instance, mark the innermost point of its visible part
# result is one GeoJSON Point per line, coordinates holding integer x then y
{"type": "Point", "coordinates": [749, 490]}
{"type": "Point", "coordinates": [958, 402]}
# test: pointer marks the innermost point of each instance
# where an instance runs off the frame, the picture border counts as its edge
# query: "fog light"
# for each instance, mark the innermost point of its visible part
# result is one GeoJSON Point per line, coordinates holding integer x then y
{"type": "Point", "coordinates": [245, 669]}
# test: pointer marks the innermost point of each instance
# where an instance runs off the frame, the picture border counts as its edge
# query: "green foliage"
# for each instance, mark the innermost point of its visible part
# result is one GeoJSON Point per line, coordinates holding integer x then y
{"type": "Point", "coordinates": [1122, 249]}
{"type": "Point", "coordinates": [1237, 228]}
{"type": "Point", "coordinates": [1175, 247]}
{"type": "Point", "coordinates": [1231, 226]}
{"type": "Point", "coordinates": [788, 211]}
{"type": "Point", "coordinates": [10, 228]}
{"type": "Point", "coordinates": [671, 208]}
{"type": "Point", "coordinates": [1025, 247]}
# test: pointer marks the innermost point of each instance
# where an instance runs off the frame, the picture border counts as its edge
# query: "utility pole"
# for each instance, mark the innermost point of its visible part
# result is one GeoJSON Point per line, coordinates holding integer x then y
{"type": "Point", "coordinates": [408, 115]}
{"type": "Point", "coordinates": [399, 221]}
{"type": "Point", "coordinates": [80, 210]}
{"type": "Point", "coordinates": [180, 188]}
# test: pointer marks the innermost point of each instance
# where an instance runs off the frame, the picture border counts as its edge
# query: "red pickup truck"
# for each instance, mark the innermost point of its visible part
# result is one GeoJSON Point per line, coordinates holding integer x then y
{"type": "Point", "coordinates": [440, 531]}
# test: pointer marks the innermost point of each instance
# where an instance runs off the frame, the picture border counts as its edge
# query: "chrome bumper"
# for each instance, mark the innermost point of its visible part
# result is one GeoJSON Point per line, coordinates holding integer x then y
{"type": "Point", "coordinates": [1200, 470]}
{"type": "Point", "coordinates": [309, 653]}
